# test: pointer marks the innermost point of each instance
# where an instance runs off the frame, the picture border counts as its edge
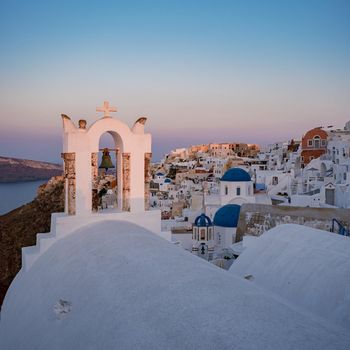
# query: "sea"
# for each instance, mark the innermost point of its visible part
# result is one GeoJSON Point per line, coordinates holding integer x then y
{"type": "Point", "coordinates": [13, 195]}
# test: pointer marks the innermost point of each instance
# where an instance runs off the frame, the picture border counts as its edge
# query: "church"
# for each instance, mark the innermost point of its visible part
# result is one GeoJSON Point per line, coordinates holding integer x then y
{"type": "Point", "coordinates": [106, 279]}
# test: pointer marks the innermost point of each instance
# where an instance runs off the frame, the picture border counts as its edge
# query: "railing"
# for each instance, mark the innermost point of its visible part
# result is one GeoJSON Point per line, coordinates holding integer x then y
{"type": "Point", "coordinates": [341, 229]}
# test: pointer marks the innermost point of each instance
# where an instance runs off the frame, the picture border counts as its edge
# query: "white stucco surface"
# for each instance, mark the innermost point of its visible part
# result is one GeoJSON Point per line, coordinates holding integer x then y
{"type": "Point", "coordinates": [308, 267]}
{"type": "Point", "coordinates": [109, 286]}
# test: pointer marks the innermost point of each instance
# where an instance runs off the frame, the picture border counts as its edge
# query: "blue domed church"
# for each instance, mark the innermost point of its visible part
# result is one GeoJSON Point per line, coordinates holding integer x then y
{"type": "Point", "coordinates": [236, 187]}
{"type": "Point", "coordinates": [225, 225]}
{"type": "Point", "coordinates": [209, 236]}
{"type": "Point", "coordinates": [203, 234]}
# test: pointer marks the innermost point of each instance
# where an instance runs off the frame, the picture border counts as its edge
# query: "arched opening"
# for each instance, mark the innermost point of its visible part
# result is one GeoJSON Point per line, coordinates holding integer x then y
{"type": "Point", "coordinates": [107, 173]}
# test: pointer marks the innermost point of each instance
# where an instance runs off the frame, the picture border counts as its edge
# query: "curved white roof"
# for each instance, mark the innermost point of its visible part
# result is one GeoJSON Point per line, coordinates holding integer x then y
{"type": "Point", "coordinates": [306, 266]}
{"type": "Point", "coordinates": [122, 287]}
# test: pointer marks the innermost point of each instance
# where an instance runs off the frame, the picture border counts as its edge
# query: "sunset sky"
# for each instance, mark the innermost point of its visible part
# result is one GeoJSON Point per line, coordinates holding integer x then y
{"type": "Point", "coordinates": [202, 71]}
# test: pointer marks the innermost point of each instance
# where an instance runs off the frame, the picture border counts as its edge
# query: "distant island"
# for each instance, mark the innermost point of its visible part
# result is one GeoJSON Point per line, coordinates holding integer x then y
{"type": "Point", "coordinates": [21, 170]}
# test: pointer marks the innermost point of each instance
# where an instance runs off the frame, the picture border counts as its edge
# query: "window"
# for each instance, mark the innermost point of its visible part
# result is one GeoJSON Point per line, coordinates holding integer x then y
{"type": "Point", "coordinates": [324, 142]}
{"type": "Point", "coordinates": [203, 234]}
{"type": "Point", "coordinates": [238, 191]}
{"type": "Point", "coordinates": [309, 143]}
{"type": "Point", "coordinates": [226, 190]}
{"type": "Point", "coordinates": [317, 141]}
{"type": "Point", "coordinates": [274, 180]}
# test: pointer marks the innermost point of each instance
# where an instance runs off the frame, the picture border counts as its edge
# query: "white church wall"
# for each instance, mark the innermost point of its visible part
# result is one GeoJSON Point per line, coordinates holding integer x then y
{"type": "Point", "coordinates": [238, 189]}
{"type": "Point", "coordinates": [224, 237]}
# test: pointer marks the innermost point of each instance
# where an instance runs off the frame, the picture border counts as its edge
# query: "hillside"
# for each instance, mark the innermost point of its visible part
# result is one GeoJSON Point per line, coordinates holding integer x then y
{"type": "Point", "coordinates": [19, 228]}
{"type": "Point", "coordinates": [16, 170]}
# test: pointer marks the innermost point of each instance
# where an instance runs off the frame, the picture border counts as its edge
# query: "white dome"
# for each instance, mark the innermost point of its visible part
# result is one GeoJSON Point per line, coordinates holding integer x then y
{"type": "Point", "coordinates": [308, 267]}
{"type": "Point", "coordinates": [114, 285]}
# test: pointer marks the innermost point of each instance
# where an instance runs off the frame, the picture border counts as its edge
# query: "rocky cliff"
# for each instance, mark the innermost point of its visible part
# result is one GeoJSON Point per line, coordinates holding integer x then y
{"type": "Point", "coordinates": [19, 227]}
{"type": "Point", "coordinates": [16, 170]}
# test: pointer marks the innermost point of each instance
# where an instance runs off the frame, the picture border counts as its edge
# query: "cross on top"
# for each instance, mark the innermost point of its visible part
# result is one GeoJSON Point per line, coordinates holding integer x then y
{"type": "Point", "coordinates": [106, 109]}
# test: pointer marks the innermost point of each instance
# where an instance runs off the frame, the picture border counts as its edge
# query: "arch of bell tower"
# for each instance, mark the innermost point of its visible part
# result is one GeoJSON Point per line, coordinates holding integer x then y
{"type": "Point", "coordinates": [80, 151]}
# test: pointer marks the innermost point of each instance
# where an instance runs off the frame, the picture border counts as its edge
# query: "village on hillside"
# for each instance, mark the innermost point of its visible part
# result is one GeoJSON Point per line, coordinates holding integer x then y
{"type": "Point", "coordinates": [210, 235]}
{"type": "Point", "coordinates": [210, 194]}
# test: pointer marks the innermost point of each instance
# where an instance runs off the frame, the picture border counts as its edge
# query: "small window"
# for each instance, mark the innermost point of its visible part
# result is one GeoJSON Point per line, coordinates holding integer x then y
{"type": "Point", "coordinates": [309, 143]}
{"type": "Point", "coordinates": [317, 142]}
{"type": "Point", "coordinates": [324, 142]}
{"type": "Point", "coordinates": [226, 190]}
{"type": "Point", "coordinates": [238, 191]}
{"type": "Point", "coordinates": [203, 234]}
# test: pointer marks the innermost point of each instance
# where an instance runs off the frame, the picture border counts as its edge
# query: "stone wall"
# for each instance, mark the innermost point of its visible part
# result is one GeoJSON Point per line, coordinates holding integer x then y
{"type": "Point", "coordinates": [126, 181]}
{"type": "Point", "coordinates": [255, 219]}
{"type": "Point", "coordinates": [148, 177]}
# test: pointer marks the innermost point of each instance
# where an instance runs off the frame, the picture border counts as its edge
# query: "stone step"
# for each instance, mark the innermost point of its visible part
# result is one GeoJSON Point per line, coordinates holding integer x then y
{"type": "Point", "coordinates": [29, 255]}
{"type": "Point", "coordinates": [45, 241]}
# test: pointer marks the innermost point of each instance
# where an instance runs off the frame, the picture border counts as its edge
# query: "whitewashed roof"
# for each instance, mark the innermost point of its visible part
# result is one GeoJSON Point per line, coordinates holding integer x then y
{"type": "Point", "coordinates": [117, 286]}
{"type": "Point", "coordinates": [308, 267]}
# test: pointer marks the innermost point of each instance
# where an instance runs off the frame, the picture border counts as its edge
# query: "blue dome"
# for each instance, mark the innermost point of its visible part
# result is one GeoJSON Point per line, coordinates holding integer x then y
{"type": "Point", "coordinates": [227, 216]}
{"type": "Point", "coordinates": [160, 174]}
{"type": "Point", "coordinates": [203, 221]}
{"type": "Point", "coordinates": [236, 174]}
{"type": "Point", "coordinates": [167, 180]}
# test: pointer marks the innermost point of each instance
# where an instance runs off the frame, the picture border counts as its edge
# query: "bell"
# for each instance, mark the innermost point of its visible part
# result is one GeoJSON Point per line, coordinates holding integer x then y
{"type": "Point", "coordinates": [106, 162]}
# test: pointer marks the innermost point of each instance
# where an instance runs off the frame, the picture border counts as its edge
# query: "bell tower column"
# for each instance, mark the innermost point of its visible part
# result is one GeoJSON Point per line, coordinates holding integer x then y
{"type": "Point", "coordinates": [126, 181]}
{"type": "Point", "coordinates": [70, 182]}
{"type": "Point", "coordinates": [148, 157]}
{"type": "Point", "coordinates": [94, 175]}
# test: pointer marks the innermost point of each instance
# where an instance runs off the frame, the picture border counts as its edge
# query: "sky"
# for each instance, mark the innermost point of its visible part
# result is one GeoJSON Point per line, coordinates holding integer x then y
{"type": "Point", "coordinates": [202, 71]}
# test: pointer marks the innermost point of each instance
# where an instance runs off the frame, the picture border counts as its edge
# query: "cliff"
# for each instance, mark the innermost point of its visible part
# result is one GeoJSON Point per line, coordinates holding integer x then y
{"type": "Point", "coordinates": [19, 227]}
{"type": "Point", "coordinates": [15, 170]}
